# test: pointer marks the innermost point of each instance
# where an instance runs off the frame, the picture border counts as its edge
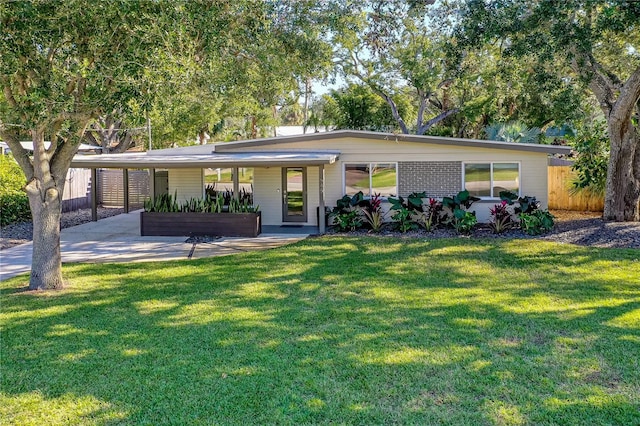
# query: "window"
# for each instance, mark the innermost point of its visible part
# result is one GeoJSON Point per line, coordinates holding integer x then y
{"type": "Point", "coordinates": [487, 180]}
{"type": "Point", "coordinates": [371, 178]}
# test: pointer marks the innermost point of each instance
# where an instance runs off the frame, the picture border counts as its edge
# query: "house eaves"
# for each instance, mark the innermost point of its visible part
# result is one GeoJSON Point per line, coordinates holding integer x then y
{"type": "Point", "coordinates": [391, 137]}
{"type": "Point", "coordinates": [212, 160]}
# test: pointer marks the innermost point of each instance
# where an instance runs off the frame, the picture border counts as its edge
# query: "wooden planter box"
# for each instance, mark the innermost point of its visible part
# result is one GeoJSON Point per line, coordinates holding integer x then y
{"type": "Point", "coordinates": [199, 224]}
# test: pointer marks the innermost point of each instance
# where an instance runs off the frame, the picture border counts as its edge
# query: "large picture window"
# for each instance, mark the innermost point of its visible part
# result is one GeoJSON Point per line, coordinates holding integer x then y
{"type": "Point", "coordinates": [487, 180]}
{"type": "Point", "coordinates": [371, 178]}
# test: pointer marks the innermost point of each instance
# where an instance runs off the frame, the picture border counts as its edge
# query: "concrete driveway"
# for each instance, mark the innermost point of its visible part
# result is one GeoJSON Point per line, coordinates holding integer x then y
{"type": "Point", "coordinates": [117, 239]}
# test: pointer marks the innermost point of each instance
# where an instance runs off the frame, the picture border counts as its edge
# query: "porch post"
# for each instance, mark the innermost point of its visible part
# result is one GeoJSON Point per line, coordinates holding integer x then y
{"type": "Point", "coordinates": [152, 183]}
{"type": "Point", "coordinates": [94, 194]}
{"type": "Point", "coordinates": [236, 184]}
{"type": "Point", "coordinates": [321, 224]}
{"type": "Point", "coordinates": [125, 189]}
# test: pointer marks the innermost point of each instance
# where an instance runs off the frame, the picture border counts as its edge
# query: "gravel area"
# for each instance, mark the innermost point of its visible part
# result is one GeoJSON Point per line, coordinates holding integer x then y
{"type": "Point", "coordinates": [20, 233]}
{"type": "Point", "coordinates": [582, 228]}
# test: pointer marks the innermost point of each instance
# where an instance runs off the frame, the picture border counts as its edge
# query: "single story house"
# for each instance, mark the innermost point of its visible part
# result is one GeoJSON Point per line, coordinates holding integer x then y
{"type": "Point", "coordinates": [295, 177]}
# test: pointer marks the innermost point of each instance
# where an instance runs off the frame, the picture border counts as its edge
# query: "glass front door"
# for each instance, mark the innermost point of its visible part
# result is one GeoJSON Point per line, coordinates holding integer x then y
{"type": "Point", "coordinates": [294, 194]}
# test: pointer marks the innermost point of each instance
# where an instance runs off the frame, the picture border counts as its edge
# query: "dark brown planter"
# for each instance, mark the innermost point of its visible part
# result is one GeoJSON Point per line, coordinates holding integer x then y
{"type": "Point", "coordinates": [198, 224]}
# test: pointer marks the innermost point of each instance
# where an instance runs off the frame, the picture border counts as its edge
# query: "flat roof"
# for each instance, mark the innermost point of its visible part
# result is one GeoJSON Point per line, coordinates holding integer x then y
{"type": "Point", "coordinates": [240, 159]}
{"type": "Point", "coordinates": [392, 137]}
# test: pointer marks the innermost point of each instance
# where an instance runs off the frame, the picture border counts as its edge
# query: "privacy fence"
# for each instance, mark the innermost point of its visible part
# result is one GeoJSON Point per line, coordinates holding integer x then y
{"type": "Point", "coordinates": [110, 189]}
{"type": "Point", "coordinates": [560, 197]}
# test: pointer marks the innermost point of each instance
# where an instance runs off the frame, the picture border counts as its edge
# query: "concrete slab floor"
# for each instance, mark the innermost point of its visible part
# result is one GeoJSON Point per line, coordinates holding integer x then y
{"type": "Point", "coordinates": [117, 239]}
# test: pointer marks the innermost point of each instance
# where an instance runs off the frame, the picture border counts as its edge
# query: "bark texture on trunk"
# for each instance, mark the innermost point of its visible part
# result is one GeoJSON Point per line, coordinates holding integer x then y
{"type": "Point", "coordinates": [46, 266]}
{"type": "Point", "coordinates": [622, 199]}
{"type": "Point", "coordinates": [45, 190]}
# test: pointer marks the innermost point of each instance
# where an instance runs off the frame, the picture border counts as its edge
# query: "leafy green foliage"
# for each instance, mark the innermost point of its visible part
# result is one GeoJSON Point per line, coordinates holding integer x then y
{"type": "Point", "coordinates": [431, 215]}
{"type": "Point", "coordinates": [347, 215]}
{"type": "Point", "coordinates": [512, 132]}
{"type": "Point", "coordinates": [592, 145]}
{"type": "Point", "coordinates": [166, 203]}
{"type": "Point", "coordinates": [537, 222]}
{"type": "Point", "coordinates": [14, 203]}
{"type": "Point", "coordinates": [456, 207]}
{"type": "Point", "coordinates": [407, 211]}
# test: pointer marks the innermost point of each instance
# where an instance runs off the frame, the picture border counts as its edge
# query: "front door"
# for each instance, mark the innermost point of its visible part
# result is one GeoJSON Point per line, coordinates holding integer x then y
{"type": "Point", "coordinates": [294, 194]}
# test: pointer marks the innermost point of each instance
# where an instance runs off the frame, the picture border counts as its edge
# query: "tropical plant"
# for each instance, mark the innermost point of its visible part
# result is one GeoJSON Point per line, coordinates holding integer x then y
{"type": "Point", "coordinates": [406, 210]}
{"type": "Point", "coordinates": [164, 203]}
{"type": "Point", "coordinates": [373, 213]}
{"type": "Point", "coordinates": [456, 209]}
{"type": "Point", "coordinates": [347, 215]}
{"type": "Point", "coordinates": [431, 215]}
{"type": "Point", "coordinates": [501, 217]}
{"type": "Point", "coordinates": [513, 131]}
{"type": "Point", "coordinates": [536, 223]}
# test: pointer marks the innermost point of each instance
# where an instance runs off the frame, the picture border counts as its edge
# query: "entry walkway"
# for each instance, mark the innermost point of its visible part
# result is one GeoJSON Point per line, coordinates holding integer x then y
{"type": "Point", "coordinates": [117, 239]}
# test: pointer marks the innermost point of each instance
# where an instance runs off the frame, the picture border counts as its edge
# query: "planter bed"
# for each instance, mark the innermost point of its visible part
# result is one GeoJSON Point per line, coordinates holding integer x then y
{"type": "Point", "coordinates": [200, 224]}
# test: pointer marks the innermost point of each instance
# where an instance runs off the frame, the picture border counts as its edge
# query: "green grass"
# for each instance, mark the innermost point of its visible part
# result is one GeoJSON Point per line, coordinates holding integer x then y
{"type": "Point", "coordinates": [381, 179]}
{"type": "Point", "coordinates": [333, 330]}
{"type": "Point", "coordinates": [226, 176]}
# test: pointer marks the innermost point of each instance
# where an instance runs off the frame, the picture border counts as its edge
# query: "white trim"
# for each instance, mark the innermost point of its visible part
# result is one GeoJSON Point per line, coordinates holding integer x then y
{"type": "Point", "coordinates": [491, 163]}
{"type": "Point", "coordinates": [368, 164]}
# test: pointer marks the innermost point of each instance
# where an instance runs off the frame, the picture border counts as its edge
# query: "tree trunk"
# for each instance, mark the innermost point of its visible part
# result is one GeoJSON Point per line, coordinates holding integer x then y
{"type": "Point", "coordinates": [622, 199]}
{"type": "Point", "coordinates": [45, 189]}
{"type": "Point", "coordinates": [46, 265]}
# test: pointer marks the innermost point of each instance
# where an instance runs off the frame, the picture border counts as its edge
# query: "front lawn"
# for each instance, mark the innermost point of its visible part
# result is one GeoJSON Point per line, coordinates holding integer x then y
{"type": "Point", "coordinates": [333, 330]}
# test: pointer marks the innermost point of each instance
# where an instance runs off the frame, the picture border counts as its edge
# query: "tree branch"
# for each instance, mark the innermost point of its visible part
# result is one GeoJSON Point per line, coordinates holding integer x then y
{"type": "Point", "coordinates": [436, 120]}
{"type": "Point", "coordinates": [628, 98]}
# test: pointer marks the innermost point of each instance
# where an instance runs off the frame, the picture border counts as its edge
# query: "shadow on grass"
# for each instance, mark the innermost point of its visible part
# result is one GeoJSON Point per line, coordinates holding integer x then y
{"type": "Point", "coordinates": [335, 330]}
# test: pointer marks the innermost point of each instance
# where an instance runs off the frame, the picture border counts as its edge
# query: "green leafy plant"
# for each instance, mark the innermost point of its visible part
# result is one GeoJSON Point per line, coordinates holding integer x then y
{"type": "Point", "coordinates": [14, 203]}
{"type": "Point", "coordinates": [406, 211]}
{"type": "Point", "coordinates": [457, 215]}
{"type": "Point", "coordinates": [536, 223]}
{"type": "Point", "coordinates": [527, 205]}
{"type": "Point", "coordinates": [163, 203]}
{"type": "Point", "coordinates": [592, 145]}
{"type": "Point", "coordinates": [347, 215]}
{"type": "Point", "coordinates": [431, 215]}
{"type": "Point", "coordinates": [373, 214]}
{"type": "Point", "coordinates": [464, 221]}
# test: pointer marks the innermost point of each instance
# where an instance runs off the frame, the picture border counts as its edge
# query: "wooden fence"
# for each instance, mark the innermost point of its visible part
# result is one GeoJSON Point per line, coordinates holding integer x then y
{"type": "Point", "coordinates": [559, 178]}
{"type": "Point", "coordinates": [110, 188]}
{"type": "Point", "coordinates": [77, 189]}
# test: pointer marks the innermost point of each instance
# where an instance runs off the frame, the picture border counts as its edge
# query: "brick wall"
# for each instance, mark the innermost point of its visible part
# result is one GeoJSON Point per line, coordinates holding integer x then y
{"type": "Point", "coordinates": [436, 178]}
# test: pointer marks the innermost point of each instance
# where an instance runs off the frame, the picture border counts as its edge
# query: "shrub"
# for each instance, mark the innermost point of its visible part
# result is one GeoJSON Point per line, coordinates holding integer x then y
{"type": "Point", "coordinates": [14, 203]}
{"type": "Point", "coordinates": [347, 215]}
{"type": "Point", "coordinates": [406, 211]}
{"type": "Point", "coordinates": [457, 215]}
{"type": "Point", "coordinates": [431, 215]}
{"type": "Point", "coordinates": [501, 218]}
{"type": "Point", "coordinates": [536, 223]}
{"type": "Point", "coordinates": [533, 221]}
{"type": "Point", "coordinates": [373, 213]}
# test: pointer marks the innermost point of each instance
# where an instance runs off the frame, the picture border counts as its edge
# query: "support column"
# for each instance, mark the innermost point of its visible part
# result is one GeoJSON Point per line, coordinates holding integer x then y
{"type": "Point", "coordinates": [152, 183]}
{"type": "Point", "coordinates": [125, 189]}
{"type": "Point", "coordinates": [236, 183]}
{"type": "Point", "coordinates": [94, 194]}
{"type": "Point", "coordinates": [321, 219]}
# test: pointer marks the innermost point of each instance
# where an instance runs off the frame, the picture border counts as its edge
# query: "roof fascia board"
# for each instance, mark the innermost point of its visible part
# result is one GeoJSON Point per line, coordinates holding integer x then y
{"type": "Point", "coordinates": [474, 143]}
